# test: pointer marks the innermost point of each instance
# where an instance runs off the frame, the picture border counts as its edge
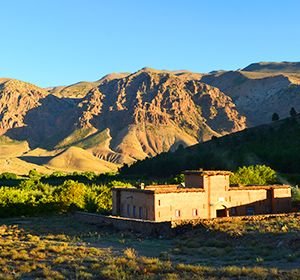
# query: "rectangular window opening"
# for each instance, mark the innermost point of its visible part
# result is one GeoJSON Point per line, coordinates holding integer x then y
{"type": "Point", "coordinates": [177, 213]}
{"type": "Point", "coordinates": [195, 212]}
{"type": "Point", "coordinates": [250, 211]}
{"type": "Point", "coordinates": [133, 210]}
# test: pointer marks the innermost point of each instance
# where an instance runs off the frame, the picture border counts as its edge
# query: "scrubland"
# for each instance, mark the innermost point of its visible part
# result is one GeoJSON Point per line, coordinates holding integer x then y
{"type": "Point", "coordinates": [60, 247]}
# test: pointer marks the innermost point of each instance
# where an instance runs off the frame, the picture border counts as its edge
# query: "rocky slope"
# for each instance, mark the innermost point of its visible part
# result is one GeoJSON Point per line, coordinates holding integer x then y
{"type": "Point", "coordinates": [258, 95]}
{"type": "Point", "coordinates": [120, 118]}
{"type": "Point", "coordinates": [150, 112]}
{"type": "Point", "coordinates": [16, 100]}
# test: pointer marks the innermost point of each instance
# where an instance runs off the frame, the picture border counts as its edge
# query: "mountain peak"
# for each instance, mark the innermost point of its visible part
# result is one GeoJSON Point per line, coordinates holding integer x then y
{"type": "Point", "coordinates": [264, 66]}
{"type": "Point", "coordinates": [113, 76]}
{"type": "Point", "coordinates": [148, 70]}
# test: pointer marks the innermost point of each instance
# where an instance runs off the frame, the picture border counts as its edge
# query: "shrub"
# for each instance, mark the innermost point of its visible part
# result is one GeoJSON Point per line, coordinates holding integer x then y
{"type": "Point", "coordinates": [275, 117]}
{"type": "Point", "coordinates": [33, 173]}
{"type": "Point", "coordinates": [296, 194]}
{"type": "Point", "coordinates": [293, 112]}
{"type": "Point", "coordinates": [116, 183]}
{"type": "Point", "coordinates": [71, 194]}
{"type": "Point", "coordinates": [98, 199]}
{"type": "Point", "coordinates": [178, 179]}
{"type": "Point", "coordinates": [8, 176]}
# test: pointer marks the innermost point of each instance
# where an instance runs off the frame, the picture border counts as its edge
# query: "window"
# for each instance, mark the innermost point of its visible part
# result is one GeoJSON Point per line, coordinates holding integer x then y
{"type": "Point", "coordinates": [158, 214]}
{"type": "Point", "coordinates": [146, 213]}
{"type": "Point", "coordinates": [177, 213]}
{"type": "Point", "coordinates": [159, 202]}
{"type": "Point", "coordinates": [128, 210]}
{"type": "Point", "coordinates": [233, 211]}
{"type": "Point", "coordinates": [140, 212]}
{"type": "Point", "coordinates": [133, 210]}
{"type": "Point", "coordinates": [195, 212]}
{"type": "Point", "coordinates": [250, 211]}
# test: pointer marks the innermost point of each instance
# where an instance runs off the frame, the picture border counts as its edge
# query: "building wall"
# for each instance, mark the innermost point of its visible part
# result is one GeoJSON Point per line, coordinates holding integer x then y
{"type": "Point", "coordinates": [181, 205]}
{"type": "Point", "coordinates": [193, 181]}
{"type": "Point", "coordinates": [133, 204]}
{"type": "Point", "coordinates": [282, 201]}
{"type": "Point", "coordinates": [260, 201]}
{"type": "Point", "coordinates": [216, 188]}
{"type": "Point", "coordinates": [249, 202]}
{"type": "Point", "coordinates": [212, 198]}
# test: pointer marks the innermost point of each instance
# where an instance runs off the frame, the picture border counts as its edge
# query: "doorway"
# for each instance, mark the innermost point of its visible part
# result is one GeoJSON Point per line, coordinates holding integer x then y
{"type": "Point", "coordinates": [222, 213]}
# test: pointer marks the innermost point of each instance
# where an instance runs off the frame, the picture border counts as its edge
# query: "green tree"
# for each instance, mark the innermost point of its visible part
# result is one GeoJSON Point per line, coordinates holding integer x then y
{"type": "Point", "coordinates": [296, 194]}
{"type": "Point", "coordinates": [275, 117]}
{"type": "Point", "coordinates": [178, 179]}
{"type": "Point", "coordinates": [72, 194]}
{"type": "Point", "coordinates": [293, 112]}
{"type": "Point", "coordinates": [254, 175]}
{"type": "Point", "coordinates": [98, 199]}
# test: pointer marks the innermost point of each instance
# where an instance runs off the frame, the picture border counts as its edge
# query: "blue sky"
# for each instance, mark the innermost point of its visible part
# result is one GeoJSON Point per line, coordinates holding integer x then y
{"type": "Point", "coordinates": [59, 42]}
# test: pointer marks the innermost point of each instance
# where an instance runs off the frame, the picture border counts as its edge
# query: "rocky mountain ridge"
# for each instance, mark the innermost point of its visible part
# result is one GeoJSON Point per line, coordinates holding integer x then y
{"type": "Point", "coordinates": [258, 95]}
{"type": "Point", "coordinates": [126, 117]}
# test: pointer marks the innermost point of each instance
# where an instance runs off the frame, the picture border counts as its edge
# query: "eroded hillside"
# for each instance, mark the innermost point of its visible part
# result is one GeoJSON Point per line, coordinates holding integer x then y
{"type": "Point", "coordinates": [258, 95]}
{"type": "Point", "coordinates": [118, 119]}
{"type": "Point", "coordinates": [125, 117]}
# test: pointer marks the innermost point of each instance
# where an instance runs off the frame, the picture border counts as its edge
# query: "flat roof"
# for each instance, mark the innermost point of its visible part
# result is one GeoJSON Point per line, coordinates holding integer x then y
{"type": "Point", "coordinates": [207, 172]}
{"type": "Point", "coordinates": [155, 189]}
{"type": "Point", "coordinates": [257, 187]}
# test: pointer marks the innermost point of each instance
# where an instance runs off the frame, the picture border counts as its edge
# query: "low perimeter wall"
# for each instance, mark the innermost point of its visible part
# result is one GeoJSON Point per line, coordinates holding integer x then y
{"type": "Point", "coordinates": [142, 226]}
{"type": "Point", "coordinates": [165, 228]}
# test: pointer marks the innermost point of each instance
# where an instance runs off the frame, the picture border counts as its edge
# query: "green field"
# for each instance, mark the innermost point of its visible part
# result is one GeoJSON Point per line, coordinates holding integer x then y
{"type": "Point", "coordinates": [60, 247]}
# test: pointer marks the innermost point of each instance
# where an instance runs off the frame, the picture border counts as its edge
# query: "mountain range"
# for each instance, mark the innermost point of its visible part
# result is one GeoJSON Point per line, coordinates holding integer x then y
{"type": "Point", "coordinates": [125, 117]}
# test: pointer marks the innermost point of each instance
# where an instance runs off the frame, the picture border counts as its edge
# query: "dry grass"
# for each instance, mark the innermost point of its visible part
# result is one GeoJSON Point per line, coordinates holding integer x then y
{"type": "Point", "coordinates": [59, 247]}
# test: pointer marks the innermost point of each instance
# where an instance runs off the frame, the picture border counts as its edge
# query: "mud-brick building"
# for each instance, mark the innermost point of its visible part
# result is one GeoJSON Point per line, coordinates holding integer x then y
{"type": "Point", "coordinates": [205, 194]}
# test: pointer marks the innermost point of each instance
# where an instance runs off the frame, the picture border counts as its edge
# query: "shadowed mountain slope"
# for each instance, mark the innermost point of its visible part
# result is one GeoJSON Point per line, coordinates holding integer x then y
{"type": "Point", "coordinates": [258, 95]}
{"type": "Point", "coordinates": [276, 144]}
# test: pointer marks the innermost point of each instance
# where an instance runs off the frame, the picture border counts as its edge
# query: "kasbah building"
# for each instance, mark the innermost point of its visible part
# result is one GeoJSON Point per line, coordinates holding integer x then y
{"type": "Point", "coordinates": [204, 195]}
